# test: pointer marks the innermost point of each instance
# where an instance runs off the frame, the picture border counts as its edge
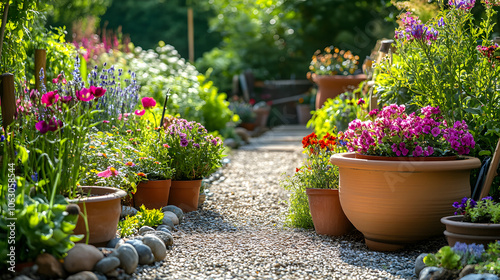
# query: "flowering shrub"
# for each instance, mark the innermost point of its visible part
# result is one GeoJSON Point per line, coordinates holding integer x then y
{"type": "Point", "coordinates": [439, 63]}
{"type": "Point", "coordinates": [316, 172]}
{"type": "Point", "coordinates": [332, 61]}
{"type": "Point", "coordinates": [195, 153]}
{"type": "Point", "coordinates": [484, 211]}
{"type": "Point", "coordinates": [393, 132]}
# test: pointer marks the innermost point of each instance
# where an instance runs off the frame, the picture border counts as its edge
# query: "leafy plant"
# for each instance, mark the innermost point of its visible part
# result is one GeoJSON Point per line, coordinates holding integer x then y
{"type": "Point", "coordinates": [145, 217]}
{"type": "Point", "coordinates": [337, 113]}
{"type": "Point", "coordinates": [40, 227]}
{"type": "Point", "coordinates": [484, 211]}
{"type": "Point", "coordinates": [332, 61]}
{"type": "Point", "coordinates": [445, 257]}
{"type": "Point", "coordinates": [244, 111]}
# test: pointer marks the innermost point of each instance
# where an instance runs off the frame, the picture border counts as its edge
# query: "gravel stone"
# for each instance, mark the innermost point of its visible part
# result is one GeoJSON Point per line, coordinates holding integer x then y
{"type": "Point", "coordinates": [176, 210]}
{"type": "Point", "coordinates": [108, 264]}
{"type": "Point", "coordinates": [144, 229]}
{"type": "Point", "coordinates": [240, 233]}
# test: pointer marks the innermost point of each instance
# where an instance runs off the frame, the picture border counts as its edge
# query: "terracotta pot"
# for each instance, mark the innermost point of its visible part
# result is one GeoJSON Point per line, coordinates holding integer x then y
{"type": "Point", "coordinates": [184, 194]}
{"type": "Point", "coordinates": [394, 203]}
{"type": "Point", "coordinates": [262, 114]}
{"type": "Point", "coordinates": [332, 86]}
{"type": "Point", "coordinates": [248, 126]}
{"type": "Point", "coordinates": [103, 213]}
{"type": "Point", "coordinates": [303, 113]}
{"type": "Point", "coordinates": [479, 233]}
{"type": "Point", "coordinates": [153, 194]}
{"type": "Point", "coordinates": [326, 212]}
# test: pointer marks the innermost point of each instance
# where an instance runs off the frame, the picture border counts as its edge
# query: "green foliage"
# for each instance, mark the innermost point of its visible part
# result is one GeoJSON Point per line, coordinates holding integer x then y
{"type": "Point", "coordinates": [445, 257]}
{"type": "Point", "coordinates": [450, 73]}
{"type": "Point", "coordinates": [39, 228]}
{"type": "Point", "coordinates": [66, 12]}
{"type": "Point", "coordinates": [486, 211]}
{"type": "Point", "coordinates": [337, 113]}
{"type": "Point", "coordinates": [216, 112]}
{"type": "Point", "coordinates": [298, 214]}
{"type": "Point", "coordinates": [244, 111]}
{"type": "Point", "coordinates": [145, 217]}
{"type": "Point", "coordinates": [492, 261]}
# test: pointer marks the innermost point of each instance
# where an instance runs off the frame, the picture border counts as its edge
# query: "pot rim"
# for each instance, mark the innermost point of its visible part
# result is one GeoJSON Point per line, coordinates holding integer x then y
{"type": "Point", "coordinates": [339, 77]}
{"type": "Point", "coordinates": [456, 220]}
{"type": "Point", "coordinates": [110, 194]}
{"type": "Point", "coordinates": [348, 160]}
{"type": "Point", "coordinates": [316, 191]}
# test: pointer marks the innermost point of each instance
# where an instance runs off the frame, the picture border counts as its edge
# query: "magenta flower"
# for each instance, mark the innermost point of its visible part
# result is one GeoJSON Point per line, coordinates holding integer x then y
{"type": "Point", "coordinates": [97, 91]}
{"type": "Point", "coordinates": [148, 102]}
{"type": "Point", "coordinates": [84, 95]}
{"type": "Point", "coordinates": [54, 124]}
{"type": "Point", "coordinates": [105, 121]}
{"type": "Point", "coordinates": [462, 4]}
{"type": "Point", "coordinates": [361, 101]}
{"type": "Point", "coordinates": [66, 99]}
{"type": "Point", "coordinates": [111, 171]}
{"type": "Point", "coordinates": [184, 142]}
{"type": "Point", "coordinates": [50, 98]}
{"type": "Point", "coordinates": [140, 112]}
{"type": "Point", "coordinates": [42, 126]}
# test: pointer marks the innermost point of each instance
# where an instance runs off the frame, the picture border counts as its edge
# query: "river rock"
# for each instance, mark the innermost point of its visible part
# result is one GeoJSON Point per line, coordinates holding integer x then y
{"type": "Point", "coordinates": [176, 210]}
{"type": "Point", "coordinates": [475, 276]}
{"type": "Point", "coordinates": [164, 228]}
{"type": "Point", "coordinates": [113, 242]}
{"type": "Point", "coordinates": [167, 221]}
{"type": "Point", "coordinates": [419, 263]}
{"type": "Point", "coordinates": [128, 211]}
{"type": "Point", "coordinates": [468, 269]}
{"type": "Point", "coordinates": [144, 229]}
{"type": "Point", "coordinates": [432, 273]}
{"type": "Point", "coordinates": [128, 257]}
{"type": "Point", "coordinates": [167, 238]}
{"type": "Point", "coordinates": [172, 217]}
{"type": "Point", "coordinates": [84, 275]}
{"type": "Point", "coordinates": [108, 264]}
{"type": "Point", "coordinates": [157, 246]}
{"type": "Point", "coordinates": [82, 257]}
{"type": "Point", "coordinates": [49, 266]}
{"type": "Point", "coordinates": [145, 254]}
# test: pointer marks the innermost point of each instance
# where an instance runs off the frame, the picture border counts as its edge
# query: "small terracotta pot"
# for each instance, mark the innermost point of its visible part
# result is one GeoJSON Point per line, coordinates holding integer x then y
{"type": "Point", "coordinates": [185, 194]}
{"type": "Point", "coordinates": [394, 203]}
{"type": "Point", "coordinates": [326, 212]}
{"type": "Point", "coordinates": [303, 113]}
{"type": "Point", "coordinates": [153, 194]}
{"type": "Point", "coordinates": [248, 126]}
{"type": "Point", "coordinates": [465, 232]}
{"type": "Point", "coordinates": [330, 86]}
{"type": "Point", "coordinates": [103, 213]}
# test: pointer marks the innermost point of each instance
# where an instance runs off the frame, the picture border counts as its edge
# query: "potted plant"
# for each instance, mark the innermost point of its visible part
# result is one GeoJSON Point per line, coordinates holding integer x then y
{"type": "Point", "coordinates": [246, 114]}
{"type": "Point", "coordinates": [195, 154]}
{"type": "Point", "coordinates": [320, 180]}
{"type": "Point", "coordinates": [473, 222]}
{"type": "Point", "coordinates": [261, 110]}
{"type": "Point", "coordinates": [334, 71]}
{"type": "Point", "coordinates": [305, 106]}
{"type": "Point", "coordinates": [397, 162]}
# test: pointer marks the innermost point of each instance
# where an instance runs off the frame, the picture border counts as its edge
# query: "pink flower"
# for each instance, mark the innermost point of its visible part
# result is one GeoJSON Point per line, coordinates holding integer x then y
{"type": "Point", "coordinates": [148, 102]}
{"type": "Point", "coordinates": [97, 91]}
{"type": "Point", "coordinates": [140, 112]}
{"type": "Point", "coordinates": [361, 101]}
{"type": "Point", "coordinates": [111, 171]}
{"type": "Point", "coordinates": [53, 125]}
{"type": "Point", "coordinates": [42, 126]}
{"type": "Point", "coordinates": [105, 121]}
{"type": "Point", "coordinates": [66, 99]}
{"type": "Point", "coordinates": [84, 95]}
{"type": "Point", "coordinates": [50, 98]}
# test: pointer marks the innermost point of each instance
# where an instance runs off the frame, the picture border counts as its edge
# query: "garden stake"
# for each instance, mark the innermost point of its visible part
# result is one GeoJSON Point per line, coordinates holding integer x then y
{"type": "Point", "coordinates": [492, 172]}
{"type": "Point", "coordinates": [164, 108]}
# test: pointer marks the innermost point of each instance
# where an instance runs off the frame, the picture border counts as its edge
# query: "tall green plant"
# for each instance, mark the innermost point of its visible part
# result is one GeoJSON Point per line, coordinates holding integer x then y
{"type": "Point", "coordinates": [441, 64]}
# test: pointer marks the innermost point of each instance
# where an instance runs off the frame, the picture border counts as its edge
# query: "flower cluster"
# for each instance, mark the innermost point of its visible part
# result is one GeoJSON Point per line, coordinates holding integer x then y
{"type": "Point", "coordinates": [392, 132]}
{"type": "Point", "coordinates": [491, 52]}
{"type": "Point", "coordinates": [413, 29]}
{"type": "Point", "coordinates": [316, 146]}
{"type": "Point", "coordinates": [483, 211]}
{"type": "Point", "coordinates": [332, 61]}
{"type": "Point", "coordinates": [469, 253]}
{"type": "Point", "coordinates": [462, 4]}
{"type": "Point", "coordinates": [195, 153]}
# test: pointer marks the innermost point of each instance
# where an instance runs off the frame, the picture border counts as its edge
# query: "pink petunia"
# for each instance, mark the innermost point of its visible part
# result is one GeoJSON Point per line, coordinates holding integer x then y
{"type": "Point", "coordinates": [111, 171]}
{"type": "Point", "coordinates": [148, 102]}
{"type": "Point", "coordinates": [84, 95]}
{"type": "Point", "coordinates": [140, 112]}
{"type": "Point", "coordinates": [42, 126]}
{"type": "Point", "coordinates": [50, 98]}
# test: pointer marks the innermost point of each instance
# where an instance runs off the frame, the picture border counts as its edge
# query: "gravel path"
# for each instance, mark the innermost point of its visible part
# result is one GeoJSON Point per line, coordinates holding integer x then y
{"type": "Point", "coordinates": [239, 234]}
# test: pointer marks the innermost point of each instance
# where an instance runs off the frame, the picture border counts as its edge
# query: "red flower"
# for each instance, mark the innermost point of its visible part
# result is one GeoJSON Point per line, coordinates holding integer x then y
{"type": "Point", "coordinates": [166, 146]}
{"type": "Point", "coordinates": [148, 102]}
{"type": "Point", "coordinates": [141, 174]}
{"type": "Point", "coordinates": [84, 95]}
{"type": "Point", "coordinates": [297, 169]}
{"type": "Point", "coordinates": [50, 98]}
{"type": "Point", "coordinates": [97, 91]}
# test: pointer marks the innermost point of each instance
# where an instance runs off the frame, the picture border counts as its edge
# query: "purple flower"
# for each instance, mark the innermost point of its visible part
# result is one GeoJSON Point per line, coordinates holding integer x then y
{"type": "Point", "coordinates": [462, 4]}
{"type": "Point", "coordinates": [441, 22]}
{"type": "Point", "coordinates": [418, 151]}
{"type": "Point", "coordinates": [196, 145]}
{"type": "Point", "coordinates": [184, 142]}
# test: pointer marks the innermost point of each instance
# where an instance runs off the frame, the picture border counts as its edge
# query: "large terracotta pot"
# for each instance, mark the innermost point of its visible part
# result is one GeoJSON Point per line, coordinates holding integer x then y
{"type": "Point", "coordinates": [479, 233]}
{"type": "Point", "coordinates": [394, 203]}
{"type": "Point", "coordinates": [153, 194]}
{"type": "Point", "coordinates": [185, 194]}
{"type": "Point", "coordinates": [103, 208]}
{"type": "Point", "coordinates": [331, 86]}
{"type": "Point", "coordinates": [326, 212]}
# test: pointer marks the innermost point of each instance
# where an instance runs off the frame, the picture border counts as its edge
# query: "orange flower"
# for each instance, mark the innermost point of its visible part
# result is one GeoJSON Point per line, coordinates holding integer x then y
{"type": "Point", "coordinates": [141, 174]}
{"type": "Point", "coordinates": [130, 163]}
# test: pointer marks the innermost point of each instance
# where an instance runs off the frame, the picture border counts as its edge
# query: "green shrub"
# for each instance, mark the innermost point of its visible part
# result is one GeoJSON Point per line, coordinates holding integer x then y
{"type": "Point", "coordinates": [145, 217]}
